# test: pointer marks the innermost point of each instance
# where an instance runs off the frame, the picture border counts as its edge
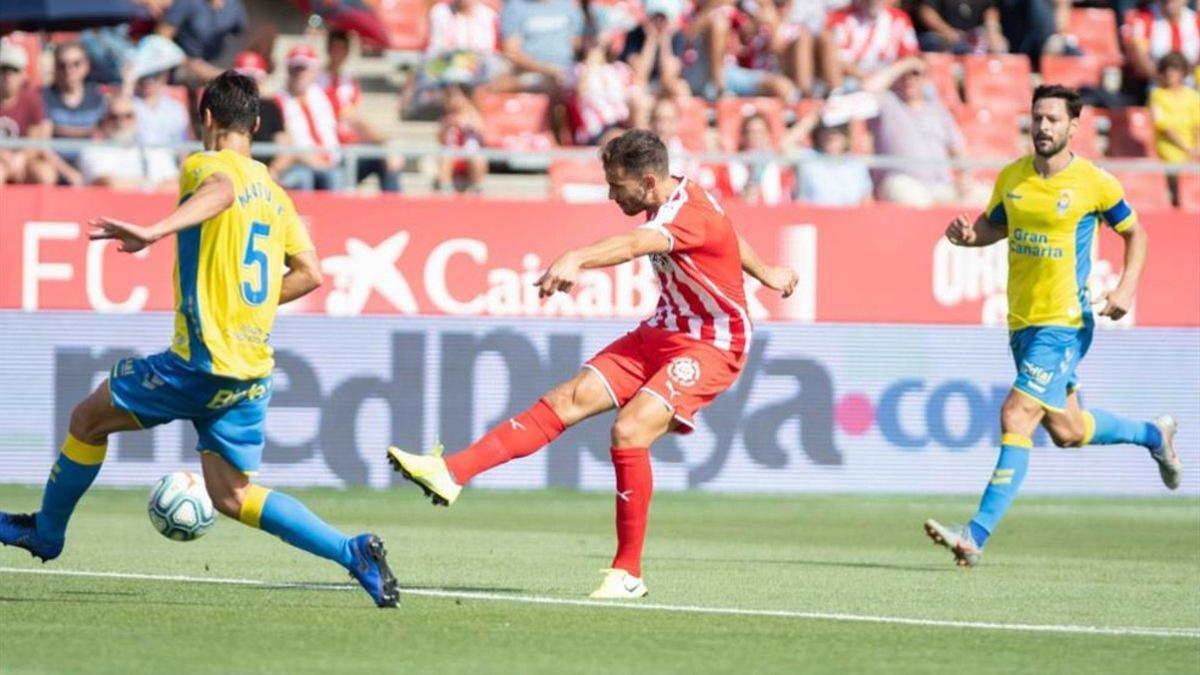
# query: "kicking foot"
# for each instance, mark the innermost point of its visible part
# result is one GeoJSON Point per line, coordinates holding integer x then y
{"type": "Point", "coordinates": [370, 569]}
{"type": "Point", "coordinates": [429, 472]}
{"type": "Point", "coordinates": [619, 585]}
{"type": "Point", "coordinates": [1169, 466]}
{"type": "Point", "coordinates": [958, 539]}
{"type": "Point", "coordinates": [20, 529]}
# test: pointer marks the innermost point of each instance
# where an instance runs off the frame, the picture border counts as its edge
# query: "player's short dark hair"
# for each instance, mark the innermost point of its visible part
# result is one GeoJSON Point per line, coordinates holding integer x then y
{"type": "Point", "coordinates": [636, 152]}
{"type": "Point", "coordinates": [1068, 95]}
{"type": "Point", "coordinates": [232, 98]}
{"type": "Point", "coordinates": [1174, 60]}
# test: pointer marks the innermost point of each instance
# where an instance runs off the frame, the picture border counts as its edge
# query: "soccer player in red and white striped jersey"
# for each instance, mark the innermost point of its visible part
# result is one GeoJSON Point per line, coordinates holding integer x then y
{"type": "Point", "coordinates": [660, 374]}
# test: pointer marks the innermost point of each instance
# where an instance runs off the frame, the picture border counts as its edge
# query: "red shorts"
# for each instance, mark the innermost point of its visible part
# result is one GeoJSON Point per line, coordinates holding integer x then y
{"type": "Point", "coordinates": [682, 372]}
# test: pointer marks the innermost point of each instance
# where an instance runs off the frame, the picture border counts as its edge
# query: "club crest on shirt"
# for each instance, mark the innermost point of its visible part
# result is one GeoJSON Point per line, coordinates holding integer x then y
{"type": "Point", "coordinates": [1064, 202]}
{"type": "Point", "coordinates": [660, 261]}
{"type": "Point", "coordinates": [684, 371]}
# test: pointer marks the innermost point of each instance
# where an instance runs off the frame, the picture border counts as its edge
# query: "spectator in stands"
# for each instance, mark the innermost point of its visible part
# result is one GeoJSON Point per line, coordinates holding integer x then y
{"type": "Point", "coordinates": [463, 46]}
{"type": "Point", "coordinates": [73, 104]}
{"type": "Point", "coordinates": [803, 47]}
{"type": "Point", "coordinates": [664, 122]}
{"type": "Point", "coordinates": [654, 49]}
{"type": "Point", "coordinates": [161, 118]}
{"type": "Point", "coordinates": [202, 29]}
{"type": "Point", "coordinates": [461, 127]}
{"type": "Point", "coordinates": [912, 125]}
{"type": "Point", "coordinates": [352, 127]}
{"type": "Point", "coordinates": [540, 38]}
{"type": "Point", "coordinates": [1176, 110]}
{"type": "Point", "coordinates": [870, 35]}
{"type": "Point", "coordinates": [1036, 27]}
{"type": "Point", "coordinates": [603, 86]}
{"type": "Point", "coordinates": [129, 165]}
{"type": "Point", "coordinates": [712, 71]}
{"type": "Point", "coordinates": [763, 178]}
{"type": "Point", "coordinates": [827, 175]}
{"type": "Point", "coordinates": [22, 115]}
{"type": "Point", "coordinates": [960, 27]}
{"type": "Point", "coordinates": [1159, 29]}
{"type": "Point", "coordinates": [311, 124]}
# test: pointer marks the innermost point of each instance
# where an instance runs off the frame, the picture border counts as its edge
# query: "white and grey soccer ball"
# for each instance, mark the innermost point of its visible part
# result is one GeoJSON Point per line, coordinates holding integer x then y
{"type": "Point", "coordinates": [179, 506]}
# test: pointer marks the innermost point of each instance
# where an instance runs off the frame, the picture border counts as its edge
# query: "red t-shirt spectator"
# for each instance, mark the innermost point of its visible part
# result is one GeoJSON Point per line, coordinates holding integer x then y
{"type": "Point", "coordinates": [25, 111]}
{"type": "Point", "coordinates": [871, 42]}
{"type": "Point", "coordinates": [1153, 30]}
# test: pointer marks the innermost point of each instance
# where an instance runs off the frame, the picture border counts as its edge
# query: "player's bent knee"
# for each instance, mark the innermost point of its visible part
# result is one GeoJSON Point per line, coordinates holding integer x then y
{"type": "Point", "coordinates": [1019, 414]}
{"type": "Point", "coordinates": [226, 499]}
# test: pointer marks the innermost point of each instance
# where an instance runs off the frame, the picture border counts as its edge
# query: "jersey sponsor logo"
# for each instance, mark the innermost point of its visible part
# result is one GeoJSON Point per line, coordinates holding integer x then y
{"type": "Point", "coordinates": [1037, 373]}
{"type": "Point", "coordinates": [152, 381]}
{"type": "Point", "coordinates": [1012, 196]}
{"type": "Point", "coordinates": [1064, 202]}
{"type": "Point", "coordinates": [684, 371]}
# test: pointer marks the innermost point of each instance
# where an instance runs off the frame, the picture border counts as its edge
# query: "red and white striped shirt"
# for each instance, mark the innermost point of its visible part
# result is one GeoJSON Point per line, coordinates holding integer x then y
{"type": "Point", "coordinates": [450, 31]}
{"type": "Point", "coordinates": [603, 92]}
{"type": "Point", "coordinates": [310, 121]}
{"type": "Point", "coordinates": [1160, 36]}
{"type": "Point", "coordinates": [344, 93]}
{"type": "Point", "coordinates": [872, 42]}
{"type": "Point", "coordinates": [701, 276]}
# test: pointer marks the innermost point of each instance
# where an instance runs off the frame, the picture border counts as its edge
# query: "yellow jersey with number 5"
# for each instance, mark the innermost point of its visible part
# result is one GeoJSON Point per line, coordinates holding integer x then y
{"type": "Point", "coordinates": [229, 269]}
{"type": "Point", "coordinates": [1052, 223]}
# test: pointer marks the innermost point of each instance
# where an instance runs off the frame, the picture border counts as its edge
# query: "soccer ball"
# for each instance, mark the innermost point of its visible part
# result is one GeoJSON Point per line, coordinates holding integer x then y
{"type": "Point", "coordinates": [179, 506]}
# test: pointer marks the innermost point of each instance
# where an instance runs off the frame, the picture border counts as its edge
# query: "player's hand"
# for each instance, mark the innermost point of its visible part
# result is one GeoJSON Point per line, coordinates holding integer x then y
{"type": "Point", "coordinates": [561, 276]}
{"type": "Point", "coordinates": [1117, 303]}
{"type": "Point", "coordinates": [133, 238]}
{"type": "Point", "coordinates": [961, 231]}
{"type": "Point", "coordinates": [782, 279]}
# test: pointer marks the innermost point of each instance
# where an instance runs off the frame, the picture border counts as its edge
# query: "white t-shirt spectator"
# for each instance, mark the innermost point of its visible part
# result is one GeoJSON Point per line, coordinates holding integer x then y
{"type": "Point", "coordinates": [163, 123]}
{"type": "Point", "coordinates": [872, 42]}
{"type": "Point", "coordinates": [450, 31]}
{"type": "Point", "coordinates": [149, 165]}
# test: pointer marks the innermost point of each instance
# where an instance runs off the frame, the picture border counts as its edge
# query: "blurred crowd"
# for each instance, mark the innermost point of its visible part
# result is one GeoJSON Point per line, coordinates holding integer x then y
{"type": "Point", "coordinates": [827, 81]}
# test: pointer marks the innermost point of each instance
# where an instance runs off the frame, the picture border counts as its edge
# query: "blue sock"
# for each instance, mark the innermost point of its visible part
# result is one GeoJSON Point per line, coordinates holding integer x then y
{"type": "Point", "coordinates": [1108, 429]}
{"type": "Point", "coordinates": [76, 467]}
{"type": "Point", "coordinates": [291, 521]}
{"type": "Point", "coordinates": [1002, 489]}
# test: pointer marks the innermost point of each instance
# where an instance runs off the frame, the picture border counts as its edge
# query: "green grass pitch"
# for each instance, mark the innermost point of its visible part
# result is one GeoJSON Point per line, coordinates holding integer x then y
{"type": "Point", "coordinates": [474, 571]}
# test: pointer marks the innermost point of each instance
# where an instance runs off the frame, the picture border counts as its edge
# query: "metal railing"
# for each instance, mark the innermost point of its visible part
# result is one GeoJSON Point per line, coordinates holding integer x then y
{"type": "Point", "coordinates": [352, 154]}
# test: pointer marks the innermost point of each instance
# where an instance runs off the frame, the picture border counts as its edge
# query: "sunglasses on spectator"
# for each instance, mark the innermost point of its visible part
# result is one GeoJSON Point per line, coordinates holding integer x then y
{"type": "Point", "coordinates": [77, 63]}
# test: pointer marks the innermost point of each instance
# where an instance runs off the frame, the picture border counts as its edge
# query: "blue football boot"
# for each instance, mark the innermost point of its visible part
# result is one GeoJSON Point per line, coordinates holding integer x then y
{"type": "Point", "coordinates": [370, 569]}
{"type": "Point", "coordinates": [20, 529]}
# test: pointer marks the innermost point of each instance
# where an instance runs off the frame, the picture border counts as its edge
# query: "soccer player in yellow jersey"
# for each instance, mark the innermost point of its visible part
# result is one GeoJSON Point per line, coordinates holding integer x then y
{"type": "Point", "coordinates": [235, 232]}
{"type": "Point", "coordinates": [1049, 206]}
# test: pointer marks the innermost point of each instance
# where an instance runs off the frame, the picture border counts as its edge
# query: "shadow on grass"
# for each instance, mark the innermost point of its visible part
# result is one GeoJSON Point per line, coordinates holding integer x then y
{"type": "Point", "coordinates": [944, 568]}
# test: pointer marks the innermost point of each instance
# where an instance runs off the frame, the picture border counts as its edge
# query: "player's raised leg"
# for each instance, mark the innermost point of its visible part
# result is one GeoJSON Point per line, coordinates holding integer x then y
{"type": "Point", "coordinates": [284, 516]}
{"type": "Point", "coordinates": [564, 406]}
{"type": "Point", "coordinates": [77, 465]}
{"type": "Point", "coordinates": [639, 423]}
{"type": "Point", "coordinates": [1077, 427]}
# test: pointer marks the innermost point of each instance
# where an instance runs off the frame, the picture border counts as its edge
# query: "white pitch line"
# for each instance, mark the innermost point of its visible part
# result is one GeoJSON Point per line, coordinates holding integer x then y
{"type": "Point", "coordinates": [1119, 631]}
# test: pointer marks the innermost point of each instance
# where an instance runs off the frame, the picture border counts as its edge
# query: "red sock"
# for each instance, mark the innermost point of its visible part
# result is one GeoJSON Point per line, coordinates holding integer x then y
{"type": "Point", "coordinates": [520, 436]}
{"type": "Point", "coordinates": [635, 486]}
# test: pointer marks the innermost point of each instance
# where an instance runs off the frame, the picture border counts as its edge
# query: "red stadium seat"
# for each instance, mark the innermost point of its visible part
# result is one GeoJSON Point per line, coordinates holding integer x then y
{"type": "Point", "coordinates": [1189, 192]}
{"type": "Point", "coordinates": [1074, 71]}
{"type": "Point", "coordinates": [516, 121]}
{"type": "Point", "coordinates": [731, 112]}
{"type": "Point", "coordinates": [998, 83]}
{"type": "Point", "coordinates": [1145, 191]}
{"type": "Point", "coordinates": [991, 134]}
{"type": "Point", "coordinates": [1087, 139]}
{"type": "Point", "coordinates": [941, 72]}
{"type": "Point", "coordinates": [578, 181]}
{"type": "Point", "coordinates": [693, 123]}
{"type": "Point", "coordinates": [1096, 29]}
{"type": "Point", "coordinates": [1131, 133]}
{"type": "Point", "coordinates": [407, 22]}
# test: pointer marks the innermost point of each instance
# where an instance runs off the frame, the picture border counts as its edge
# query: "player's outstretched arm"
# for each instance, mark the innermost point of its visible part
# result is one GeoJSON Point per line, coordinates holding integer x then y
{"type": "Point", "coordinates": [982, 232]}
{"type": "Point", "coordinates": [303, 276]}
{"type": "Point", "coordinates": [213, 196]}
{"type": "Point", "coordinates": [564, 272]}
{"type": "Point", "coordinates": [1118, 301]}
{"type": "Point", "coordinates": [782, 279]}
